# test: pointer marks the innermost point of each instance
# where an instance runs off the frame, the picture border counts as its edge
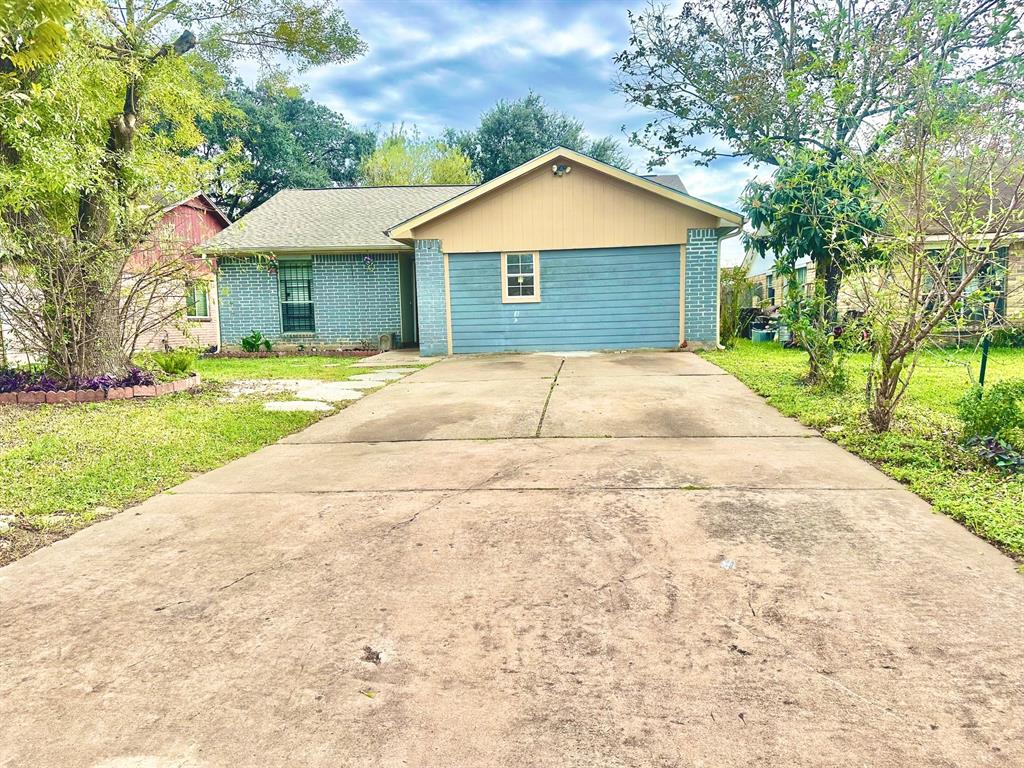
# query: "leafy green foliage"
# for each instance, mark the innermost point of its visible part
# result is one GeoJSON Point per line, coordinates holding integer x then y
{"type": "Point", "coordinates": [923, 450]}
{"type": "Point", "coordinates": [403, 159]}
{"type": "Point", "coordinates": [513, 132]}
{"type": "Point", "coordinates": [32, 32]}
{"type": "Point", "coordinates": [814, 206]}
{"type": "Point", "coordinates": [735, 288]}
{"type": "Point", "coordinates": [825, 209]}
{"type": "Point", "coordinates": [272, 138]}
{"type": "Point", "coordinates": [999, 453]}
{"type": "Point", "coordinates": [765, 83]}
{"type": "Point", "coordinates": [993, 411]}
{"type": "Point", "coordinates": [103, 134]}
{"type": "Point", "coordinates": [256, 342]}
{"type": "Point", "coordinates": [177, 362]}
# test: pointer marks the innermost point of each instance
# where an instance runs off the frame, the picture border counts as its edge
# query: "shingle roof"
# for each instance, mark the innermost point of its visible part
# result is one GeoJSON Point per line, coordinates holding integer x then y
{"type": "Point", "coordinates": [668, 180]}
{"type": "Point", "coordinates": [345, 218]}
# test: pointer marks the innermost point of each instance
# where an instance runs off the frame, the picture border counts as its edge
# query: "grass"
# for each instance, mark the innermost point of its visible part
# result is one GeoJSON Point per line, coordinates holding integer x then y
{"type": "Point", "coordinates": [63, 467]}
{"type": "Point", "coordinates": [923, 449]}
{"type": "Point", "coordinates": [221, 369]}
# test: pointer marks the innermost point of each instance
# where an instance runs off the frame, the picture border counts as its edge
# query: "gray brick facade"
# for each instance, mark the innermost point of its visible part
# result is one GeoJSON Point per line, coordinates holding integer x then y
{"type": "Point", "coordinates": [701, 301]}
{"type": "Point", "coordinates": [248, 300]}
{"type": "Point", "coordinates": [430, 298]}
{"type": "Point", "coordinates": [353, 302]}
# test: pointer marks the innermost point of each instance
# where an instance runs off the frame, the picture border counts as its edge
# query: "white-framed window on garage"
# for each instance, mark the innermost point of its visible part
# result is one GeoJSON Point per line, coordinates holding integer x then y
{"type": "Point", "coordinates": [520, 277]}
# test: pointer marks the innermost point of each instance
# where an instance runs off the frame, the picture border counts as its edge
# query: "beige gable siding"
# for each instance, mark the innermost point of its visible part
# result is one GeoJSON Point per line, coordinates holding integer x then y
{"type": "Point", "coordinates": [582, 209]}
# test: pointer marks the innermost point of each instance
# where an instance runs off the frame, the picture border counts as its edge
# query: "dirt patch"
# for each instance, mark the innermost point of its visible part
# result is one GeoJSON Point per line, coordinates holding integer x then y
{"type": "Point", "coordinates": [20, 536]}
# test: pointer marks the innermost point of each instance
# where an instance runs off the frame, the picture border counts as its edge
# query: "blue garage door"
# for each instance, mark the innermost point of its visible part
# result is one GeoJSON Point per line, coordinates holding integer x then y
{"type": "Point", "coordinates": [609, 298]}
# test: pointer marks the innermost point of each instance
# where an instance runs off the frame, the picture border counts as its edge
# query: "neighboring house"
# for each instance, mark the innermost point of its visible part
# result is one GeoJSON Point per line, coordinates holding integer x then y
{"type": "Point", "coordinates": [183, 226]}
{"type": "Point", "coordinates": [767, 288]}
{"type": "Point", "coordinates": [1005, 276]}
{"type": "Point", "coordinates": [561, 253]}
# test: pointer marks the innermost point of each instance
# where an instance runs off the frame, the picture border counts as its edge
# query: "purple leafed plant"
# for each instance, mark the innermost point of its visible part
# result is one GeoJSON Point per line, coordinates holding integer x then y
{"type": "Point", "coordinates": [19, 380]}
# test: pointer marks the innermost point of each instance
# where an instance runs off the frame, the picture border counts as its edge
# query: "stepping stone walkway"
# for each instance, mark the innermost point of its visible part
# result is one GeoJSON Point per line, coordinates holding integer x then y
{"type": "Point", "coordinates": [297, 405]}
{"type": "Point", "coordinates": [314, 391]}
{"type": "Point", "coordinates": [388, 374]}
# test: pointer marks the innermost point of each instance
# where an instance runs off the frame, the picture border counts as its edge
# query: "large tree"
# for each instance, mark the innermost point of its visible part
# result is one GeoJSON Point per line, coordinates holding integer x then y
{"type": "Point", "coordinates": [92, 142]}
{"type": "Point", "coordinates": [512, 132]}
{"type": "Point", "coordinates": [761, 78]}
{"type": "Point", "coordinates": [273, 139]}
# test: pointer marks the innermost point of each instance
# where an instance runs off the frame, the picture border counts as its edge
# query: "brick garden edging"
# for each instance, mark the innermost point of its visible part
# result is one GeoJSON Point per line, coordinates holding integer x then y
{"type": "Point", "coordinates": [99, 395]}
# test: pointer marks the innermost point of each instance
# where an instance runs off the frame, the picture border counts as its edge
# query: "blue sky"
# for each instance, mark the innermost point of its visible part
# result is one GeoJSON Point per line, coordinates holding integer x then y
{"type": "Point", "coordinates": [442, 63]}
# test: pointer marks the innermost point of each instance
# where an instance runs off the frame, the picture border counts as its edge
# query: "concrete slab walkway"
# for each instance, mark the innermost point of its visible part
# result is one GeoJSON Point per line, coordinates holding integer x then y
{"type": "Point", "coordinates": [611, 560]}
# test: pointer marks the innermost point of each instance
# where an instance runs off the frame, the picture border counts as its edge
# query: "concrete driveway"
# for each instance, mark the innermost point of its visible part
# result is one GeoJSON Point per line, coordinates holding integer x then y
{"type": "Point", "coordinates": [613, 560]}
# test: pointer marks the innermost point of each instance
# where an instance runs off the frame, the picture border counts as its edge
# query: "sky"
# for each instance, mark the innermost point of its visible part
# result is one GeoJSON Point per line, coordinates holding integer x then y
{"type": "Point", "coordinates": [441, 63]}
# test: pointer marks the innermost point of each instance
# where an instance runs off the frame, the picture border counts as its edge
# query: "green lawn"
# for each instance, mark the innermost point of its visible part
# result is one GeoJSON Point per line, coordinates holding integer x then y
{"type": "Point", "coordinates": [298, 367]}
{"type": "Point", "coordinates": [62, 467]}
{"type": "Point", "coordinates": [923, 449]}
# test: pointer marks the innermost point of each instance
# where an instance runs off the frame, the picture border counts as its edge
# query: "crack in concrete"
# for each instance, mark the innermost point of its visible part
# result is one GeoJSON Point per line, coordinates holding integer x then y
{"type": "Point", "coordinates": [547, 400]}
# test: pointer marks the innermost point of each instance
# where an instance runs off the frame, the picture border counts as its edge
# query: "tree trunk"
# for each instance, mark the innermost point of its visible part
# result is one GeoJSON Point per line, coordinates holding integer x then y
{"type": "Point", "coordinates": [883, 403]}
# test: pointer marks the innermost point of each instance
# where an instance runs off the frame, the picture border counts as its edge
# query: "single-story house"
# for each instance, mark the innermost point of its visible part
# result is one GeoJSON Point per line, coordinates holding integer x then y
{"type": "Point", "coordinates": [562, 253]}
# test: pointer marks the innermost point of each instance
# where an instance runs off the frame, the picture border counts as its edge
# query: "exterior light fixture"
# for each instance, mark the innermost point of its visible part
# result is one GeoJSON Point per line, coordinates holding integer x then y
{"type": "Point", "coordinates": [560, 169]}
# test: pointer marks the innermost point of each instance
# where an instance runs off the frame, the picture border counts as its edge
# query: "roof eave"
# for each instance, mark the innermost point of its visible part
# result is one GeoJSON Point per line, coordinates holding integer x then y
{"type": "Point", "coordinates": [404, 230]}
{"type": "Point", "coordinates": [305, 250]}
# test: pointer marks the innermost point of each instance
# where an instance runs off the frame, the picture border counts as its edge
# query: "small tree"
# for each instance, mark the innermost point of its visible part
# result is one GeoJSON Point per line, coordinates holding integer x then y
{"type": "Point", "coordinates": [952, 185]}
{"type": "Point", "coordinates": [404, 159]}
{"type": "Point", "coordinates": [827, 210]}
{"type": "Point", "coordinates": [735, 288]}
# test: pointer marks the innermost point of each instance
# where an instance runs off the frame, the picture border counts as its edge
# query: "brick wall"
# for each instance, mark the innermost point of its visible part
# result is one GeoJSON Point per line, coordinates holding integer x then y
{"type": "Point", "coordinates": [701, 300]}
{"type": "Point", "coordinates": [352, 302]}
{"type": "Point", "coordinates": [248, 300]}
{"type": "Point", "coordinates": [355, 303]}
{"type": "Point", "coordinates": [430, 298]}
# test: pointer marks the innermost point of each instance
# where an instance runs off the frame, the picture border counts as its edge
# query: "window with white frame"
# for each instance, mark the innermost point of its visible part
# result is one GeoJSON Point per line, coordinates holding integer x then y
{"type": "Point", "coordinates": [197, 301]}
{"type": "Point", "coordinates": [520, 277]}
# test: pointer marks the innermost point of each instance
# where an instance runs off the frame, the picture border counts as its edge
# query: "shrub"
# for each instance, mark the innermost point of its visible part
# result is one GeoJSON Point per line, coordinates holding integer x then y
{"type": "Point", "coordinates": [176, 362]}
{"type": "Point", "coordinates": [993, 411]}
{"type": "Point", "coordinates": [998, 453]}
{"type": "Point", "coordinates": [1010, 336]}
{"type": "Point", "coordinates": [256, 341]}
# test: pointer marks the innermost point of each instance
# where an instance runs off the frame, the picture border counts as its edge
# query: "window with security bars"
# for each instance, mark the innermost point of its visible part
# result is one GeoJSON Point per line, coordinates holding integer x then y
{"type": "Point", "coordinates": [520, 277]}
{"type": "Point", "coordinates": [295, 280]}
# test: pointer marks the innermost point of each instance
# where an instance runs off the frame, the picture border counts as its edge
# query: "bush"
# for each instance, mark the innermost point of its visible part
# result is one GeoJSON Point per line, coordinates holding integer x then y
{"type": "Point", "coordinates": [176, 362]}
{"type": "Point", "coordinates": [1010, 336]}
{"type": "Point", "coordinates": [256, 341]}
{"type": "Point", "coordinates": [993, 411]}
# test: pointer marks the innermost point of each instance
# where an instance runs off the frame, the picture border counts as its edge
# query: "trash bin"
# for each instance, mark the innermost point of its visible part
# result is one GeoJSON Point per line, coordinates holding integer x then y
{"type": "Point", "coordinates": [762, 334]}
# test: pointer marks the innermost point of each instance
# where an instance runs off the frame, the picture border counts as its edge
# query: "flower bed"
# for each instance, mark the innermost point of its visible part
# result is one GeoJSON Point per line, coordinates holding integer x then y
{"type": "Point", "coordinates": [45, 390]}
